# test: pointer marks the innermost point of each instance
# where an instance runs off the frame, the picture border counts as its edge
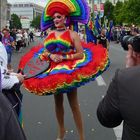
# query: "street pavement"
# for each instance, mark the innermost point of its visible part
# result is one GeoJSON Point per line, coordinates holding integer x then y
{"type": "Point", "coordinates": [38, 111]}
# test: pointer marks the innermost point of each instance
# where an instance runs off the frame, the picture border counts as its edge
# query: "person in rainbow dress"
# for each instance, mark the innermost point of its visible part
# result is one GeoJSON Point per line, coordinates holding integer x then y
{"type": "Point", "coordinates": [72, 62]}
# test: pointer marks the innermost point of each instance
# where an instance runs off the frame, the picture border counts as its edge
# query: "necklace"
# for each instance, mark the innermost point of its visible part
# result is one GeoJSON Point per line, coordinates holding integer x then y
{"type": "Point", "coordinates": [60, 29]}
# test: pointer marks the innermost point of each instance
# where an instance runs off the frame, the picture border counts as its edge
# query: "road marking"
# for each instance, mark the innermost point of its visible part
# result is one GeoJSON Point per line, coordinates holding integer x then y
{"type": "Point", "coordinates": [118, 131]}
{"type": "Point", "coordinates": [103, 96]}
{"type": "Point", "coordinates": [100, 81]}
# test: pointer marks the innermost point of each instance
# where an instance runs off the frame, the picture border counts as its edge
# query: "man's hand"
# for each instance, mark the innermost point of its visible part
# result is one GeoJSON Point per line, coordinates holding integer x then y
{"type": "Point", "coordinates": [20, 76]}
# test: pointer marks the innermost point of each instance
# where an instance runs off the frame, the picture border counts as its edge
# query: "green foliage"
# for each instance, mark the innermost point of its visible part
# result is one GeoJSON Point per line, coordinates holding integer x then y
{"type": "Point", "coordinates": [118, 10]}
{"type": "Point", "coordinates": [127, 12]}
{"type": "Point", "coordinates": [133, 12]}
{"type": "Point", "coordinates": [36, 22]}
{"type": "Point", "coordinates": [108, 10]}
{"type": "Point", "coordinates": [15, 22]}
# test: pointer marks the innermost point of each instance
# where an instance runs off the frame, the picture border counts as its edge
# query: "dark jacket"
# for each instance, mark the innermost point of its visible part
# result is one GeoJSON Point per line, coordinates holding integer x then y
{"type": "Point", "coordinates": [10, 128]}
{"type": "Point", "coordinates": [122, 102]}
{"type": "Point", "coordinates": [102, 40]}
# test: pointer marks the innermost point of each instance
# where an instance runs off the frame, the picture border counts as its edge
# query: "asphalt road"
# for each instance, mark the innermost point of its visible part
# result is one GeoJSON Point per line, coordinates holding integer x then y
{"type": "Point", "coordinates": [38, 111]}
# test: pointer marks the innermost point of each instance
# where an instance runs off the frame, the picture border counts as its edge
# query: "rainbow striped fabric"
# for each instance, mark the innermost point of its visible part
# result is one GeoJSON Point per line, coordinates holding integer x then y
{"type": "Point", "coordinates": [78, 11]}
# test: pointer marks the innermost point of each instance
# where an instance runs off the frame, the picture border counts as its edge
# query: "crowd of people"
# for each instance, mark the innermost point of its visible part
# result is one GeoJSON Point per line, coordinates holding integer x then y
{"type": "Point", "coordinates": [118, 32]}
{"type": "Point", "coordinates": [15, 39]}
{"type": "Point", "coordinates": [22, 37]}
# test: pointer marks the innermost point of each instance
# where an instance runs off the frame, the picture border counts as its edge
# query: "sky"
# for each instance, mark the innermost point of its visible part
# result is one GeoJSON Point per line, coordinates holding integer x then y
{"type": "Point", "coordinates": [40, 2]}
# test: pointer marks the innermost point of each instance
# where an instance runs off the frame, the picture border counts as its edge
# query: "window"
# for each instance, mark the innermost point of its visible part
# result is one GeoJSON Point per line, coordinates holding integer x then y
{"type": "Point", "coordinates": [26, 5]}
{"type": "Point", "coordinates": [20, 5]}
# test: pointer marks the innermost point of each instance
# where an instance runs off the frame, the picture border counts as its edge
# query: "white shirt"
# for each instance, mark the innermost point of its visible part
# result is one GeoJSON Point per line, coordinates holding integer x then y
{"type": "Point", "coordinates": [81, 35]}
{"type": "Point", "coordinates": [7, 81]}
{"type": "Point", "coordinates": [3, 56]}
{"type": "Point", "coordinates": [25, 35]}
{"type": "Point", "coordinates": [19, 37]}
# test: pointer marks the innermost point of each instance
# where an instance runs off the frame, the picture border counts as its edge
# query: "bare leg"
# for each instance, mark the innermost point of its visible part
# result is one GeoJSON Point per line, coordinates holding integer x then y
{"type": "Point", "coordinates": [59, 110]}
{"type": "Point", "coordinates": [73, 101]}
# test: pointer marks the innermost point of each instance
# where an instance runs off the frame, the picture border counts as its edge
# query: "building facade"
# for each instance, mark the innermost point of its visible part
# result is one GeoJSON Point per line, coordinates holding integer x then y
{"type": "Point", "coordinates": [26, 12]}
{"type": "Point", "coordinates": [97, 3]}
{"type": "Point", "coordinates": [4, 13]}
{"type": "Point", "coordinates": [103, 1]}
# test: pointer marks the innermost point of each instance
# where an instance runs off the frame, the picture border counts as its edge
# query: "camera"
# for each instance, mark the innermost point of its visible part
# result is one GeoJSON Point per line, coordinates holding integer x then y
{"type": "Point", "coordinates": [134, 41]}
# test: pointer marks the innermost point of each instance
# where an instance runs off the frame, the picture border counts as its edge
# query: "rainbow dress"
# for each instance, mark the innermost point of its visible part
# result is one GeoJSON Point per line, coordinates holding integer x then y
{"type": "Point", "coordinates": [69, 74]}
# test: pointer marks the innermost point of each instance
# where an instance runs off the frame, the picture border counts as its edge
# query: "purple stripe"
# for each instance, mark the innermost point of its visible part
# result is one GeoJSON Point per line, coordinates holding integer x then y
{"type": "Point", "coordinates": [0, 81]}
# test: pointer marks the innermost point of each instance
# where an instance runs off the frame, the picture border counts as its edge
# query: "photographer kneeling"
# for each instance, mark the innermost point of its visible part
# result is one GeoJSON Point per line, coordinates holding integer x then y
{"type": "Point", "coordinates": [122, 100]}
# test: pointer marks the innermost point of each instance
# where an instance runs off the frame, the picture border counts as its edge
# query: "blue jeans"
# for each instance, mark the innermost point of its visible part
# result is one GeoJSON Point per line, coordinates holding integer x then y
{"type": "Point", "coordinates": [9, 50]}
{"type": "Point", "coordinates": [9, 57]}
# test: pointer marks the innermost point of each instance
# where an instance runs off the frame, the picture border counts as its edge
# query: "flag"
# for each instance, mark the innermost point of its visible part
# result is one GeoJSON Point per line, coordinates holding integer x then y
{"type": "Point", "coordinates": [109, 30]}
{"type": "Point", "coordinates": [90, 35]}
{"type": "Point", "coordinates": [97, 24]}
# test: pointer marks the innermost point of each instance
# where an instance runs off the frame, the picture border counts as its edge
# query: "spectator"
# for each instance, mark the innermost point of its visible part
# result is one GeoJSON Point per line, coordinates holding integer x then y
{"type": "Point", "coordinates": [10, 81]}
{"type": "Point", "coordinates": [82, 35]}
{"type": "Point", "coordinates": [25, 34]}
{"type": "Point", "coordinates": [13, 34]}
{"type": "Point", "coordinates": [9, 44]}
{"type": "Point", "coordinates": [31, 35]}
{"type": "Point", "coordinates": [19, 38]}
{"type": "Point", "coordinates": [102, 38]}
{"type": "Point", "coordinates": [122, 100]}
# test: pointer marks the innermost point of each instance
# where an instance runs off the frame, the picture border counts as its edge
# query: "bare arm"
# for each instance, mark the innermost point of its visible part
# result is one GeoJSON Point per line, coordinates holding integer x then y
{"type": "Point", "coordinates": [77, 44]}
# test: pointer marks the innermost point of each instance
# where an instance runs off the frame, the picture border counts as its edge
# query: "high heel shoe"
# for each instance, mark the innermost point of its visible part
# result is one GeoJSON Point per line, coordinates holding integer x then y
{"type": "Point", "coordinates": [60, 139]}
{"type": "Point", "coordinates": [63, 136]}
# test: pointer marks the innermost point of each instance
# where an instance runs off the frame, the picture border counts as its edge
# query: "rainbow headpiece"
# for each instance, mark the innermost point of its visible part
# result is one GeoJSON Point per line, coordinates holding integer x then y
{"type": "Point", "coordinates": [77, 10]}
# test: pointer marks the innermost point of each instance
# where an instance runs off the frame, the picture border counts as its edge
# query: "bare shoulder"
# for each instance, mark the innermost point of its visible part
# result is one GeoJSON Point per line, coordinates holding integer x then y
{"type": "Point", "coordinates": [74, 34]}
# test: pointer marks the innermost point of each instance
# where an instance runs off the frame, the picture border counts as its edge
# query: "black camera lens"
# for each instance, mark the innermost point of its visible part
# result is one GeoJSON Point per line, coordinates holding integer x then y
{"type": "Point", "coordinates": [126, 40]}
{"type": "Point", "coordinates": [133, 40]}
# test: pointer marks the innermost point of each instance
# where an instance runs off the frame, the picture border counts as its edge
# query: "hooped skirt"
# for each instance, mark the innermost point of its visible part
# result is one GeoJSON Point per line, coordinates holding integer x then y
{"type": "Point", "coordinates": [68, 74]}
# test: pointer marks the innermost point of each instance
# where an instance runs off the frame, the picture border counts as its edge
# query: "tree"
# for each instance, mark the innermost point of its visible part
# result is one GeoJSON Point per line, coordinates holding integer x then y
{"type": "Point", "coordinates": [108, 10]}
{"type": "Point", "coordinates": [36, 22]}
{"type": "Point", "coordinates": [132, 7]}
{"type": "Point", "coordinates": [118, 13]}
{"type": "Point", "coordinates": [15, 22]}
{"type": "Point", "coordinates": [127, 12]}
